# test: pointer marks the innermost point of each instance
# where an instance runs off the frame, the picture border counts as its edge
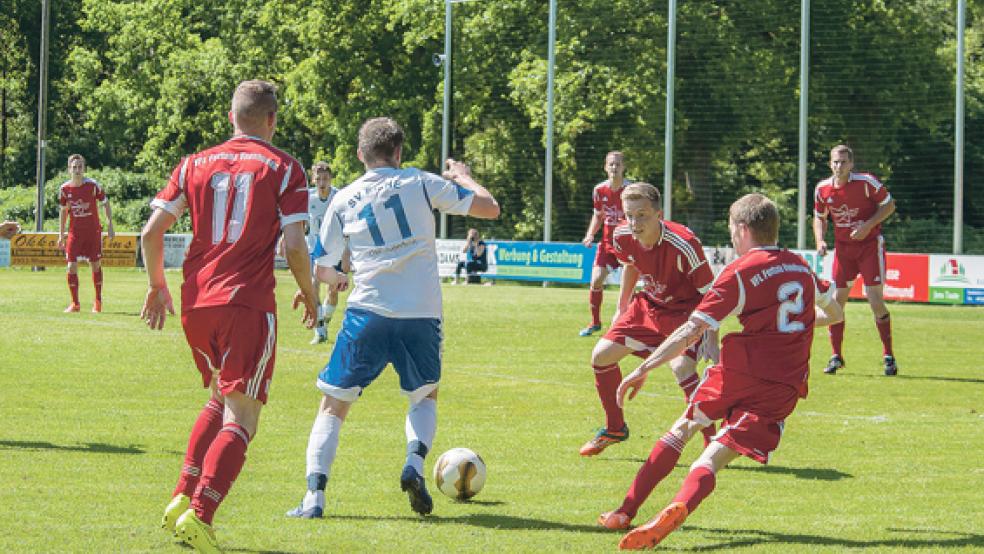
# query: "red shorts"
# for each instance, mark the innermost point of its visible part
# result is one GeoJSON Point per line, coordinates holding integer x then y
{"type": "Point", "coordinates": [85, 244]}
{"type": "Point", "coordinates": [752, 410]}
{"type": "Point", "coordinates": [866, 258]}
{"type": "Point", "coordinates": [643, 328]}
{"type": "Point", "coordinates": [605, 257]}
{"type": "Point", "coordinates": [238, 343]}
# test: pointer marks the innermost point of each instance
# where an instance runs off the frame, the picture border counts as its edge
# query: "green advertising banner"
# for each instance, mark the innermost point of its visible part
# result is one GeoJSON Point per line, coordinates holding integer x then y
{"type": "Point", "coordinates": [946, 295]}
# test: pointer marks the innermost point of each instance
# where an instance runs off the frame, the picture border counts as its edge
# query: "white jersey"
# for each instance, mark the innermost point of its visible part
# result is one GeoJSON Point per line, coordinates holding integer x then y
{"type": "Point", "coordinates": [386, 220]}
{"type": "Point", "coordinates": [316, 214]}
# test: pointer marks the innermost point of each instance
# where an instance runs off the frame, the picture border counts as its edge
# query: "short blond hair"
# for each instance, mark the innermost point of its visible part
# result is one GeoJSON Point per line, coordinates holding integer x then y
{"type": "Point", "coordinates": [759, 214]}
{"type": "Point", "coordinates": [254, 101]}
{"type": "Point", "coordinates": [74, 157]}
{"type": "Point", "coordinates": [843, 148]}
{"type": "Point", "coordinates": [379, 138]}
{"type": "Point", "coordinates": [321, 167]}
{"type": "Point", "coordinates": [643, 191]}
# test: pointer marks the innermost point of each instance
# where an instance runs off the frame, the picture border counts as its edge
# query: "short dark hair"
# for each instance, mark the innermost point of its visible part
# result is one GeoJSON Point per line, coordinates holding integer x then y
{"type": "Point", "coordinates": [760, 215]}
{"type": "Point", "coordinates": [254, 100]}
{"type": "Point", "coordinates": [844, 148]}
{"type": "Point", "coordinates": [640, 190]}
{"type": "Point", "coordinates": [320, 167]}
{"type": "Point", "coordinates": [379, 139]}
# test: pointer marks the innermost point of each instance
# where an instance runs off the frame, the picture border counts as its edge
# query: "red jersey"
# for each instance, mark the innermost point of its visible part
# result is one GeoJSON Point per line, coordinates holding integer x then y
{"type": "Point", "coordinates": [674, 272]}
{"type": "Point", "coordinates": [82, 205]}
{"type": "Point", "coordinates": [773, 292]}
{"type": "Point", "coordinates": [239, 194]}
{"type": "Point", "coordinates": [851, 205]}
{"type": "Point", "coordinates": [608, 205]}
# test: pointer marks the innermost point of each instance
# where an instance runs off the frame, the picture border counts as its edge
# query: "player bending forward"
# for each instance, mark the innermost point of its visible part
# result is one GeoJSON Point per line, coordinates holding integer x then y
{"type": "Point", "coordinates": [240, 195]}
{"type": "Point", "coordinates": [385, 219]}
{"type": "Point", "coordinates": [669, 260]}
{"type": "Point", "coordinates": [762, 374]}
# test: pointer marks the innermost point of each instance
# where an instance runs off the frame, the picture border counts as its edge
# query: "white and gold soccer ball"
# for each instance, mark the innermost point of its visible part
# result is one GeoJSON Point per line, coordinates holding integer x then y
{"type": "Point", "coordinates": [460, 473]}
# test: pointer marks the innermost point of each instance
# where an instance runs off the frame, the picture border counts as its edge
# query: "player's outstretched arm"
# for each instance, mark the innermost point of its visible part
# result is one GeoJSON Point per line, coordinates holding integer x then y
{"type": "Point", "coordinates": [483, 205]}
{"type": "Point", "coordinates": [157, 303]}
{"type": "Point", "coordinates": [678, 341]}
{"type": "Point", "coordinates": [295, 250]}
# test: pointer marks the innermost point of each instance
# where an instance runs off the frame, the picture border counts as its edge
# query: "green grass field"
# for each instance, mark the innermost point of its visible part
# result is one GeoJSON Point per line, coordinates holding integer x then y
{"type": "Point", "coordinates": [96, 408]}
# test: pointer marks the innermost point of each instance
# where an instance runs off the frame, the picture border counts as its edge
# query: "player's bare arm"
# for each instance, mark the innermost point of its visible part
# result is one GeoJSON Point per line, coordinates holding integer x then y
{"type": "Point", "coordinates": [630, 276]}
{"type": "Point", "coordinates": [157, 302]}
{"type": "Point", "coordinates": [593, 227]}
{"type": "Point", "coordinates": [483, 205]}
{"type": "Point", "coordinates": [883, 212]}
{"type": "Point", "coordinates": [678, 341]}
{"type": "Point", "coordinates": [109, 219]}
{"type": "Point", "coordinates": [62, 217]}
{"type": "Point", "coordinates": [828, 311]}
{"type": "Point", "coordinates": [819, 228]}
{"type": "Point", "coordinates": [295, 250]}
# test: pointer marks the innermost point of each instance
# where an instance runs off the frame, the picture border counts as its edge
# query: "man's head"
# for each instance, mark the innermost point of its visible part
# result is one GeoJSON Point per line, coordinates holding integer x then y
{"type": "Point", "coordinates": [841, 161]}
{"type": "Point", "coordinates": [321, 175]}
{"type": "Point", "coordinates": [615, 165]}
{"type": "Point", "coordinates": [380, 142]}
{"type": "Point", "coordinates": [754, 221]}
{"type": "Point", "coordinates": [76, 165]}
{"type": "Point", "coordinates": [254, 108]}
{"type": "Point", "coordinates": [643, 207]}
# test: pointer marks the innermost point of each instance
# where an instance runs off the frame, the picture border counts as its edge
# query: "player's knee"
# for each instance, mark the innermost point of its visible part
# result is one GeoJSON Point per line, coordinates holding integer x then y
{"type": "Point", "coordinates": [701, 462]}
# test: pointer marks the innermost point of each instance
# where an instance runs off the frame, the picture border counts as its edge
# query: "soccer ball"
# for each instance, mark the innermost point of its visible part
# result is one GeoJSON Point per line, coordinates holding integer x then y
{"type": "Point", "coordinates": [459, 473]}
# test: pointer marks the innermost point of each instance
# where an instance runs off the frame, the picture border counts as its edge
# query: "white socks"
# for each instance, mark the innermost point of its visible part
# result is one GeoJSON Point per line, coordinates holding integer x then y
{"type": "Point", "coordinates": [421, 427]}
{"type": "Point", "coordinates": [322, 444]}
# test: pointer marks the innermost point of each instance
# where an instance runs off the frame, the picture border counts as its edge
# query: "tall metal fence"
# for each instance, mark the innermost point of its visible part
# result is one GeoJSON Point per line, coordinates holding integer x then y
{"type": "Point", "coordinates": [880, 80]}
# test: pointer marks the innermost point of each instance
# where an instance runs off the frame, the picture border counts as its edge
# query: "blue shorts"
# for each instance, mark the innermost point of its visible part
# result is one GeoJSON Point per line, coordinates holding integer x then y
{"type": "Point", "coordinates": [368, 341]}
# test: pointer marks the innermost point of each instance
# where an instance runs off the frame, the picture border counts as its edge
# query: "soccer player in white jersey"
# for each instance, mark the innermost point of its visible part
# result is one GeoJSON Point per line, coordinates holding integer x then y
{"type": "Point", "coordinates": [385, 220]}
{"type": "Point", "coordinates": [318, 199]}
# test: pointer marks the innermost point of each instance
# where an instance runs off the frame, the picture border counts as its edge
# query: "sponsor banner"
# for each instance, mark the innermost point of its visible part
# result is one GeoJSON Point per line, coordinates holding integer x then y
{"type": "Point", "coordinates": [4, 253]}
{"type": "Point", "coordinates": [944, 295]}
{"type": "Point", "coordinates": [41, 249]}
{"type": "Point", "coordinates": [974, 296]}
{"type": "Point", "coordinates": [906, 278]}
{"type": "Point", "coordinates": [823, 266]}
{"type": "Point", "coordinates": [175, 248]}
{"type": "Point", "coordinates": [956, 271]}
{"type": "Point", "coordinates": [566, 262]}
{"type": "Point", "coordinates": [448, 254]}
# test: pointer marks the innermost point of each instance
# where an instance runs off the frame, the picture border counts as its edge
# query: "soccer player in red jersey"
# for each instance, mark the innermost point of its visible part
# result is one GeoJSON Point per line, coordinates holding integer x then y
{"type": "Point", "coordinates": [669, 261]}
{"type": "Point", "coordinates": [858, 204]}
{"type": "Point", "coordinates": [762, 374]}
{"type": "Point", "coordinates": [606, 216]}
{"type": "Point", "coordinates": [78, 198]}
{"type": "Point", "coordinates": [241, 195]}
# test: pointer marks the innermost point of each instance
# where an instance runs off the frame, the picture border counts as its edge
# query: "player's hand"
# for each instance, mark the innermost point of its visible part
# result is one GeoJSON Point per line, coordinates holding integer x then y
{"type": "Point", "coordinates": [586, 241]}
{"type": "Point", "coordinates": [310, 317]}
{"type": "Point", "coordinates": [61, 242]}
{"type": "Point", "coordinates": [861, 232]}
{"type": "Point", "coordinates": [709, 349]}
{"type": "Point", "coordinates": [343, 283]}
{"type": "Point", "coordinates": [455, 169]}
{"type": "Point", "coordinates": [822, 248]}
{"type": "Point", "coordinates": [156, 306]}
{"type": "Point", "coordinates": [631, 385]}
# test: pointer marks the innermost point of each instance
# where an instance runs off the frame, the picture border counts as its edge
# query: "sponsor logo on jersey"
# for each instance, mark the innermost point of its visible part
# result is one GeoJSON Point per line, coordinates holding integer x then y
{"type": "Point", "coordinates": [843, 215]}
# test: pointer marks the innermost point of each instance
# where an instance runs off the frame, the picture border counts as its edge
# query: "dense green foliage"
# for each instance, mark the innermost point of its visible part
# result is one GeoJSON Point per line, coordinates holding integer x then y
{"type": "Point", "coordinates": [135, 84]}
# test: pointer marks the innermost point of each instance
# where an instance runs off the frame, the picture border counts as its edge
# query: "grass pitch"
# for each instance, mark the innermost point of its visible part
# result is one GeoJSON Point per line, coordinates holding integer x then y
{"type": "Point", "coordinates": [96, 410]}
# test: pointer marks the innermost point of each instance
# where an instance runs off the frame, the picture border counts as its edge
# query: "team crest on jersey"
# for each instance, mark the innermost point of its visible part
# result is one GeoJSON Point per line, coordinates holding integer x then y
{"type": "Point", "coordinates": [844, 214]}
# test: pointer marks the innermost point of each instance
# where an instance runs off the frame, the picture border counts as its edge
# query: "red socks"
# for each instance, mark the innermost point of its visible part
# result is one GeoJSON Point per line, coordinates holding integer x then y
{"type": "Point", "coordinates": [206, 427]}
{"type": "Point", "coordinates": [595, 300]}
{"type": "Point", "coordinates": [698, 484]}
{"type": "Point", "coordinates": [97, 281]}
{"type": "Point", "coordinates": [607, 380]}
{"type": "Point", "coordinates": [224, 459]}
{"type": "Point", "coordinates": [73, 286]}
{"type": "Point", "coordinates": [884, 325]}
{"type": "Point", "coordinates": [837, 338]}
{"type": "Point", "coordinates": [661, 462]}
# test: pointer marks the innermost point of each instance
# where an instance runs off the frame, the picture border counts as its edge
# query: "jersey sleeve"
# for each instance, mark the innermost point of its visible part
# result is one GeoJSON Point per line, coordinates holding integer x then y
{"type": "Point", "coordinates": [596, 201]}
{"type": "Point", "coordinates": [878, 192]}
{"type": "Point", "coordinates": [620, 246]}
{"type": "Point", "coordinates": [725, 297]}
{"type": "Point", "coordinates": [172, 199]}
{"type": "Point", "coordinates": [446, 196]}
{"type": "Point", "coordinates": [62, 199]}
{"type": "Point", "coordinates": [819, 208]}
{"type": "Point", "coordinates": [292, 202]}
{"type": "Point", "coordinates": [331, 239]}
{"type": "Point", "coordinates": [700, 275]}
{"type": "Point", "coordinates": [100, 193]}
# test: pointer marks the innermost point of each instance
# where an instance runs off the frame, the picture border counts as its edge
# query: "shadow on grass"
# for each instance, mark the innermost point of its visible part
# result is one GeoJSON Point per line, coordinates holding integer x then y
{"type": "Point", "coordinates": [811, 473]}
{"type": "Point", "coordinates": [915, 377]}
{"type": "Point", "coordinates": [94, 447]}
{"type": "Point", "coordinates": [935, 538]}
{"type": "Point", "coordinates": [490, 521]}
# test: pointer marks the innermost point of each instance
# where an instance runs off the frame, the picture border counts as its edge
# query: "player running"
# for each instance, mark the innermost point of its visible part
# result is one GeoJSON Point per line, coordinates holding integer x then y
{"type": "Point", "coordinates": [858, 204]}
{"type": "Point", "coordinates": [607, 214]}
{"type": "Point", "coordinates": [318, 199]}
{"type": "Point", "coordinates": [78, 198]}
{"type": "Point", "coordinates": [762, 374]}
{"type": "Point", "coordinates": [385, 219]}
{"type": "Point", "coordinates": [240, 195]}
{"type": "Point", "coordinates": [669, 261]}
